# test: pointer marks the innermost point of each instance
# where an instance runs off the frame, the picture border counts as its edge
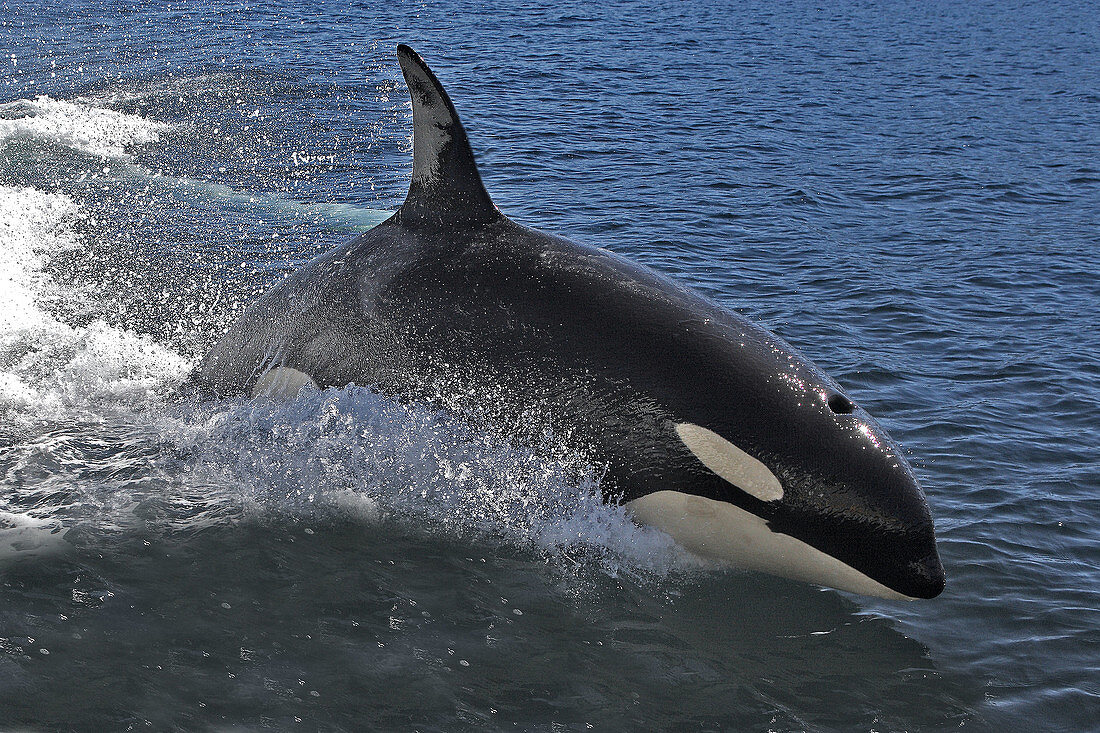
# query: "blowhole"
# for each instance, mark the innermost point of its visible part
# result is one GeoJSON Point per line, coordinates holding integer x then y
{"type": "Point", "coordinates": [840, 404]}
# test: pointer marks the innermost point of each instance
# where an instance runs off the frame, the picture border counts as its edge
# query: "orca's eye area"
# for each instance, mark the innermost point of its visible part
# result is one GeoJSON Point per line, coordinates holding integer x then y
{"type": "Point", "coordinates": [840, 404]}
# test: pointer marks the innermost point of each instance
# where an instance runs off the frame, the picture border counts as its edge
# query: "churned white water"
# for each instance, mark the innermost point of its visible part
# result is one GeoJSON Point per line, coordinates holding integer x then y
{"type": "Point", "coordinates": [908, 193]}
{"type": "Point", "coordinates": [76, 124]}
{"type": "Point", "coordinates": [47, 367]}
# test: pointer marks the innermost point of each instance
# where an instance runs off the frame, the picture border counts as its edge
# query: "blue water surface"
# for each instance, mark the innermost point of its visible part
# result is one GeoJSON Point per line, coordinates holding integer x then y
{"type": "Point", "coordinates": [907, 192]}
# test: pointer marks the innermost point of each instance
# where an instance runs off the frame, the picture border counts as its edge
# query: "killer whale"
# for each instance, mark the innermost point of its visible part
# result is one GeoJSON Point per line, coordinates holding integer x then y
{"type": "Point", "coordinates": [706, 425]}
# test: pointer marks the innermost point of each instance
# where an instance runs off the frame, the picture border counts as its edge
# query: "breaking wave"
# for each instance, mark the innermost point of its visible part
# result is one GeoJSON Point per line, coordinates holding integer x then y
{"type": "Point", "coordinates": [49, 367]}
{"type": "Point", "coordinates": [83, 127]}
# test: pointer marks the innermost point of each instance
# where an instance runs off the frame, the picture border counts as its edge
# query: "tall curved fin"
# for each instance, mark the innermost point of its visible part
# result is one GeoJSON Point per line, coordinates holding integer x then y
{"type": "Point", "coordinates": [446, 189]}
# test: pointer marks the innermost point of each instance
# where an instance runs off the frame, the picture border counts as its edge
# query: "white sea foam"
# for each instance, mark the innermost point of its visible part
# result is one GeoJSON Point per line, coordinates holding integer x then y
{"type": "Point", "coordinates": [48, 367]}
{"type": "Point", "coordinates": [358, 454]}
{"type": "Point", "coordinates": [78, 125]}
{"type": "Point", "coordinates": [24, 536]}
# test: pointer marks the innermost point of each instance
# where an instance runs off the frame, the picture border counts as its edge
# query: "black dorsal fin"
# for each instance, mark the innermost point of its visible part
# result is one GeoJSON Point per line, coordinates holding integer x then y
{"type": "Point", "coordinates": [446, 188]}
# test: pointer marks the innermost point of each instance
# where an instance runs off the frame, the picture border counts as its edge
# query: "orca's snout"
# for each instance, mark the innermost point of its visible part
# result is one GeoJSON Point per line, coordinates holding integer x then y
{"type": "Point", "coordinates": [918, 572]}
{"type": "Point", "coordinates": [927, 579]}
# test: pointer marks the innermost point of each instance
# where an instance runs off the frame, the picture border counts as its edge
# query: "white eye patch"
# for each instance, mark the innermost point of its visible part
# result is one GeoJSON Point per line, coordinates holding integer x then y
{"type": "Point", "coordinates": [730, 462]}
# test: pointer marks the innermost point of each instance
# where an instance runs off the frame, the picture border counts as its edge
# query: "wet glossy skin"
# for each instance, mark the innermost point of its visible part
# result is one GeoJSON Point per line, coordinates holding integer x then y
{"type": "Point", "coordinates": [608, 351]}
{"type": "Point", "coordinates": [450, 301]}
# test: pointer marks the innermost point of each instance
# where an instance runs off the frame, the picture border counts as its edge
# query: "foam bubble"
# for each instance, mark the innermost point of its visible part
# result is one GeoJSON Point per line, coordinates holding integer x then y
{"type": "Point", "coordinates": [46, 366]}
{"type": "Point", "coordinates": [81, 126]}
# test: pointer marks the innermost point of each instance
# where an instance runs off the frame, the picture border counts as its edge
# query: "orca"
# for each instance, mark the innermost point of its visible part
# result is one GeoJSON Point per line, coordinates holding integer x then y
{"type": "Point", "coordinates": [704, 425]}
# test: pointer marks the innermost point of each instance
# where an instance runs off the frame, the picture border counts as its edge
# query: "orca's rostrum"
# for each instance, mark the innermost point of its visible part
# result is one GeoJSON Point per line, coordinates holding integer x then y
{"type": "Point", "coordinates": [707, 426]}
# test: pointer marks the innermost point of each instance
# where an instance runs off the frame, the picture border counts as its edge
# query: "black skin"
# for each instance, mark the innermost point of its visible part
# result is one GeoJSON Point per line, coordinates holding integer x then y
{"type": "Point", "coordinates": [449, 295]}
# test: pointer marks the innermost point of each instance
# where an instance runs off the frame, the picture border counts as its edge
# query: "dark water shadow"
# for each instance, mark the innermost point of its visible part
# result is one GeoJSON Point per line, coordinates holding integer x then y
{"type": "Point", "coordinates": [343, 623]}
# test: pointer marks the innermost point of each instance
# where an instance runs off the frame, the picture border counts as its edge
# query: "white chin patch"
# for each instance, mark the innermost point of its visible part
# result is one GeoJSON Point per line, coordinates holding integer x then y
{"type": "Point", "coordinates": [282, 383]}
{"type": "Point", "coordinates": [717, 530]}
{"type": "Point", "coordinates": [730, 462]}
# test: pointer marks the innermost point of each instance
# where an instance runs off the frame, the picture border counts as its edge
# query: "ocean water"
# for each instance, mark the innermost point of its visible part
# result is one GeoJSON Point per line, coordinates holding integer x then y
{"type": "Point", "coordinates": [908, 192]}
